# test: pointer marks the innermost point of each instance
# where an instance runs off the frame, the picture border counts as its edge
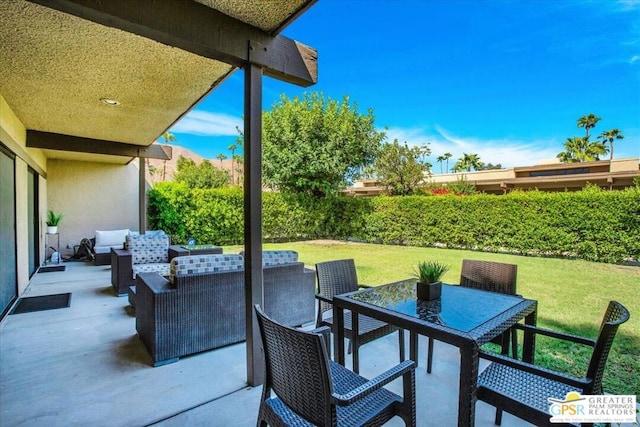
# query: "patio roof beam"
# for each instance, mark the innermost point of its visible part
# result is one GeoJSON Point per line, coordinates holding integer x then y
{"type": "Point", "coordinates": [210, 34]}
{"type": "Point", "coordinates": [56, 141]}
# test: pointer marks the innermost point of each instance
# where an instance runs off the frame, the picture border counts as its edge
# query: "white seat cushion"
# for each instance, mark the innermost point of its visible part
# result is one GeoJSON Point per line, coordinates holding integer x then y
{"type": "Point", "coordinates": [111, 238]}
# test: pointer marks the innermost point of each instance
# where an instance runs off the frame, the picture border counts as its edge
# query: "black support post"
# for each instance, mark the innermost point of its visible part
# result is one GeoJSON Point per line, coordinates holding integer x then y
{"type": "Point", "coordinates": [142, 195]}
{"type": "Point", "coordinates": [253, 218]}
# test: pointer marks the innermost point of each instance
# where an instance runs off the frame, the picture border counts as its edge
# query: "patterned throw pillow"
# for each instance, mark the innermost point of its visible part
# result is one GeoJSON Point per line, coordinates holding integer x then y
{"type": "Point", "coordinates": [148, 249]}
{"type": "Point", "coordinates": [279, 257]}
{"type": "Point", "coordinates": [198, 264]}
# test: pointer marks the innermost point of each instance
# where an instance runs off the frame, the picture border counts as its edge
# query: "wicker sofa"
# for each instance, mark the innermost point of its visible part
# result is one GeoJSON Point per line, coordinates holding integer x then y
{"type": "Point", "coordinates": [201, 306]}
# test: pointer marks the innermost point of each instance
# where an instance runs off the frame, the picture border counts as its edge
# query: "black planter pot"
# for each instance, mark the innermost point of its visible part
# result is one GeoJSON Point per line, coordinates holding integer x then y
{"type": "Point", "coordinates": [429, 291]}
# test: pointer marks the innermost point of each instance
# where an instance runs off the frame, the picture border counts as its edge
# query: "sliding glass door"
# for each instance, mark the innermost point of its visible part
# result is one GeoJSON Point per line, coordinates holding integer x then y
{"type": "Point", "coordinates": [8, 275]}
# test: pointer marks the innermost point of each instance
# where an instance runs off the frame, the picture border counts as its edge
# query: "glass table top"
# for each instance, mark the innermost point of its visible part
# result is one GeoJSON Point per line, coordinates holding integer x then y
{"type": "Point", "coordinates": [459, 307]}
{"type": "Point", "coordinates": [197, 247]}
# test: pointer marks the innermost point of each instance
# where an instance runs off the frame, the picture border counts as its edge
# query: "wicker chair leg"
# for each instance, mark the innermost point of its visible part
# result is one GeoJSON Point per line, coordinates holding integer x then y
{"type": "Point", "coordinates": [409, 404]}
{"type": "Point", "coordinates": [355, 356]}
{"type": "Point", "coordinates": [514, 343]}
{"type": "Point", "coordinates": [403, 354]}
{"type": "Point", "coordinates": [429, 355]}
{"type": "Point", "coordinates": [498, 419]}
{"type": "Point", "coordinates": [504, 343]}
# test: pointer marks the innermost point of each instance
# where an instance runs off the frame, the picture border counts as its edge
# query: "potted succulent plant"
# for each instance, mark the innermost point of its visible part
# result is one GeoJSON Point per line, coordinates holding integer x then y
{"type": "Point", "coordinates": [53, 220]}
{"type": "Point", "coordinates": [429, 274]}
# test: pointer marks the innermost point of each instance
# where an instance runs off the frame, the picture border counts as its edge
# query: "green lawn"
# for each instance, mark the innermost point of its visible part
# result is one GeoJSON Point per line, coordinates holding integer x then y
{"type": "Point", "coordinates": [572, 296]}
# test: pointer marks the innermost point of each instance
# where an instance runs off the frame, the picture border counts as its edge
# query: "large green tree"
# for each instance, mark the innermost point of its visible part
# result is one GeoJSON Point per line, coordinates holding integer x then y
{"type": "Point", "coordinates": [401, 168]}
{"type": "Point", "coordinates": [316, 146]}
{"type": "Point", "coordinates": [204, 175]}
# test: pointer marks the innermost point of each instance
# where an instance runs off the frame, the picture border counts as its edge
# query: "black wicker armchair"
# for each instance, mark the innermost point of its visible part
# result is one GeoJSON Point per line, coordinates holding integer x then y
{"type": "Point", "coordinates": [304, 387]}
{"type": "Point", "coordinates": [523, 389]}
{"type": "Point", "coordinates": [339, 277]}
{"type": "Point", "coordinates": [488, 276]}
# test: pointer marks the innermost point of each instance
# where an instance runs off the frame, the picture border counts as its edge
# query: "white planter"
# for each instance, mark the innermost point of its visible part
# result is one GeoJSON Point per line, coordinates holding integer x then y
{"type": "Point", "coordinates": [52, 229]}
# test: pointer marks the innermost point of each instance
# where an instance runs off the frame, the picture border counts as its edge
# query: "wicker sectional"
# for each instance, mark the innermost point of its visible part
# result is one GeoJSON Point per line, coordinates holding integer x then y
{"type": "Point", "coordinates": [201, 306]}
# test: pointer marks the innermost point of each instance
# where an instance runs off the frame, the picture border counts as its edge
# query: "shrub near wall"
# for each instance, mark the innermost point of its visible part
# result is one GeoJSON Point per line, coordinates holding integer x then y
{"type": "Point", "coordinates": [207, 215]}
{"type": "Point", "coordinates": [591, 224]}
{"type": "Point", "coordinates": [217, 216]}
{"type": "Point", "coordinates": [168, 203]}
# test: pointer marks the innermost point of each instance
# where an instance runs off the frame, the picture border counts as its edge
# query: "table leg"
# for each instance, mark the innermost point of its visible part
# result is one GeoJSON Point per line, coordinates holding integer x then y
{"type": "Point", "coordinates": [413, 346]}
{"type": "Point", "coordinates": [469, 362]}
{"type": "Point", "coordinates": [355, 343]}
{"type": "Point", "coordinates": [529, 341]}
{"type": "Point", "coordinates": [338, 334]}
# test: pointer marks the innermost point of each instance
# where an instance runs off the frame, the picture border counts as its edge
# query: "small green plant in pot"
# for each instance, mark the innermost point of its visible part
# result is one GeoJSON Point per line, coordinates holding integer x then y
{"type": "Point", "coordinates": [53, 220]}
{"type": "Point", "coordinates": [429, 274]}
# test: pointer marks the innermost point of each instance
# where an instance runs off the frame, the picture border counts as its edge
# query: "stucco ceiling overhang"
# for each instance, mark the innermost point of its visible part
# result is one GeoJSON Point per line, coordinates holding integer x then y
{"type": "Point", "coordinates": [61, 60]}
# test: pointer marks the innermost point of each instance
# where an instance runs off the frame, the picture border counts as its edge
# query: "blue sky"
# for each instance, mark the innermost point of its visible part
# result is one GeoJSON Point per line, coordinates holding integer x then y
{"type": "Point", "coordinates": [506, 80]}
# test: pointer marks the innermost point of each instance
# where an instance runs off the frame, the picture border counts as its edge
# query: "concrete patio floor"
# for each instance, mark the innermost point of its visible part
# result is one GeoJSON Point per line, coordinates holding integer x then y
{"type": "Point", "coordinates": [85, 366]}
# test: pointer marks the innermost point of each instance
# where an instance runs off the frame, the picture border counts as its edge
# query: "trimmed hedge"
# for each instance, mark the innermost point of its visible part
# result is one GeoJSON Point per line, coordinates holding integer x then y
{"type": "Point", "coordinates": [592, 224]}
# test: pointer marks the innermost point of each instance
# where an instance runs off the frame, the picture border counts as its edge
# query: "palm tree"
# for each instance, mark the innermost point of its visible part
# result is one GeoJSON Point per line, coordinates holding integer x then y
{"type": "Point", "coordinates": [473, 160]}
{"type": "Point", "coordinates": [575, 148]}
{"type": "Point", "coordinates": [589, 121]}
{"type": "Point", "coordinates": [595, 150]}
{"type": "Point", "coordinates": [458, 166]}
{"type": "Point", "coordinates": [221, 157]}
{"type": "Point", "coordinates": [580, 149]}
{"type": "Point", "coordinates": [232, 148]}
{"type": "Point", "coordinates": [610, 135]}
{"type": "Point", "coordinates": [441, 159]}
{"type": "Point", "coordinates": [168, 137]}
{"type": "Point", "coordinates": [468, 162]}
{"type": "Point", "coordinates": [239, 160]}
{"type": "Point", "coordinates": [153, 171]}
{"type": "Point", "coordinates": [447, 156]}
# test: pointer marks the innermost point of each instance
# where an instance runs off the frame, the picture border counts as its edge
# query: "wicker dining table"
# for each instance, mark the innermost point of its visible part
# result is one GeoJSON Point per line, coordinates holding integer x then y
{"type": "Point", "coordinates": [464, 317]}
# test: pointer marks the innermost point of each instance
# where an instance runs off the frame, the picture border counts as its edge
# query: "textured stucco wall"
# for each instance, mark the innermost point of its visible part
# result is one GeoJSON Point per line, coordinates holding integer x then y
{"type": "Point", "coordinates": [624, 165]}
{"type": "Point", "coordinates": [92, 196]}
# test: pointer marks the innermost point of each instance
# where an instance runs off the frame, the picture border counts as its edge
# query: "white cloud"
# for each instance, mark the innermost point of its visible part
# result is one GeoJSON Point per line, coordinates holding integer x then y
{"type": "Point", "coordinates": [634, 59]}
{"type": "Point", "coordinates": [209, 124]}
{"type": "Point", "coordinates": [508, 152]}
{"type": "Point", "coordinates": [629, 5]}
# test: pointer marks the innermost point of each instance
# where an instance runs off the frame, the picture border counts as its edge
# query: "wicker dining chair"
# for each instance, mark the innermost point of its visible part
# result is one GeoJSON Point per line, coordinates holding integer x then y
{"type": "Point", "coordinates": [304, 387]}
{"type": "Point", "coordinates": [488, 276]}
{"type": "Point", "coordinates": [339, 277]}
{"type": "Point", "coordinates": [523, 389]}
